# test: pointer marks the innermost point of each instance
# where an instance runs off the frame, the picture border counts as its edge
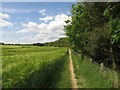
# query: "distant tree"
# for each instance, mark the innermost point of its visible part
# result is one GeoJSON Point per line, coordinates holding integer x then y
{"type": "Point", "coordinates": [1, 43]}
{"type": "Point", "coordinates": [62, 42]}
{"type": "Point", "coordinates": [38, 44]}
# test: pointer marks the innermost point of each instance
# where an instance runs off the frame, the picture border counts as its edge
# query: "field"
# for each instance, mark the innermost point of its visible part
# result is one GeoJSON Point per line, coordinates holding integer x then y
{"type": "Point", "coordinates": [48, 67]}
{"type": "Point", "coordinates": [34, 67]}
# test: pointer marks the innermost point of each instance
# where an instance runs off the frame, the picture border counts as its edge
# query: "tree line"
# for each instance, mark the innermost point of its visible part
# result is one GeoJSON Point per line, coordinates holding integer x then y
{"type": "Point", "coordinates": [62, 42]}
{"type": "Point", "coordinates": [94, 31]}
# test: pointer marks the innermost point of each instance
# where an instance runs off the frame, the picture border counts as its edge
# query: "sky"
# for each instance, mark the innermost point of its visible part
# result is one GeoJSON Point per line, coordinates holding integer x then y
{"type": "Point", "coordinates": [31, 22]}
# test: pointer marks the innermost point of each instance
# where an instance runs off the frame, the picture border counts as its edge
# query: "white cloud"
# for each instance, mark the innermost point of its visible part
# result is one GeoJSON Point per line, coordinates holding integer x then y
{"type": "Point", "coordinates": [32, 27]}
{"type": "Point", "coordinates": [4, 16]}
{"type": "Point", "coordinates": [3, 22]}
{"type": "Point", "coordinates": [46, 19]}
{"type": "Point", "coordinates": [42, 11]}
{"type": "Point", "coordinates": [47, 32]}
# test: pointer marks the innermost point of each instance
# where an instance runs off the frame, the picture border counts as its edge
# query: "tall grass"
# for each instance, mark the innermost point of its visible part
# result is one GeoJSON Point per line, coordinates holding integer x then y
{"type": "Point", "coordinates": [88, 74]}
{"type": "Point", "coordinates": [29, 66]}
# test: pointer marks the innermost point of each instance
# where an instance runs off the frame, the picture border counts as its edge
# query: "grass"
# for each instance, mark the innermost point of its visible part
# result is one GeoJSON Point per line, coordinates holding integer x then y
{"type": "Point", "coordinates": [88, 74]}
{"type": "Point", "coordinates": [48, 67]}
{"type": "Point", "coordinates": [34, 67]}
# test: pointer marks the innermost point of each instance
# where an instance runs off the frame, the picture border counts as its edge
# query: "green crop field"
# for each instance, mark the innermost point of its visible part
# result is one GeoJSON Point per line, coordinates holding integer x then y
{"type": "Point", "coordinates": [34, 67]}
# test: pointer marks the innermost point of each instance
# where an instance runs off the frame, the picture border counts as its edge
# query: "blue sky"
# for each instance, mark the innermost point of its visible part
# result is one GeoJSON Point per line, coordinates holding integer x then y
{"type": "Point", "coordinates": [29, 22]}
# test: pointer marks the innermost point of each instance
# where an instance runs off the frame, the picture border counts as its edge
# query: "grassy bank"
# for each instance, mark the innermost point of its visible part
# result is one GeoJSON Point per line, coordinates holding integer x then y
{"type": "Point", "coordinates": [88, 74]}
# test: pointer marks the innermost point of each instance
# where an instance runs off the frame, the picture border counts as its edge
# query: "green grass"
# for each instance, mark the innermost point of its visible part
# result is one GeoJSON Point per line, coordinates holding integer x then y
{"type": "Point", "coordinates": [88, 74]}
{"type": "Point", "coordinates": [33, 67]}
{"type": "Point", "coordinates": [48, 67]}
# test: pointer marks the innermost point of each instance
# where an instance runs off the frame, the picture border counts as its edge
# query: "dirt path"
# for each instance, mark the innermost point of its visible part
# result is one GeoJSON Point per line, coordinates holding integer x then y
{"type": "Point", "coordinates": [73, 80]}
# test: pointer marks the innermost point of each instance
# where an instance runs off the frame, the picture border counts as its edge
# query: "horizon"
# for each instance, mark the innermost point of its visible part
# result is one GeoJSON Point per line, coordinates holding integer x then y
{"type": "Point", "coordinates": [30, 43]}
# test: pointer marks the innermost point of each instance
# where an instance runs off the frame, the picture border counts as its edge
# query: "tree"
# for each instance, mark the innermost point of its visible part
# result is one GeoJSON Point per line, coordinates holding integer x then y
{"type": "Point", "coordinates": [95, 31]}
{"type": "Point", "coordinates": [112, 12]}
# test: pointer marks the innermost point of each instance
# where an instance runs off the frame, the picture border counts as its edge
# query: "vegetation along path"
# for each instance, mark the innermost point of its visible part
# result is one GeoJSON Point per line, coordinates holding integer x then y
{"type": "Point", "coordinates": [73, 80]}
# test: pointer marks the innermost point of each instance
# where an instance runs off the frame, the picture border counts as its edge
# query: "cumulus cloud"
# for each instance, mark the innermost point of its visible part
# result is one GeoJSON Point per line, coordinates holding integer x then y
{"type": "Point", "coordinates": [42, 11]}
{"type": "Point", "coordinates": [4, 16]}
{"type": "Point", "coordinates": [46, 19]}
{"type": "Point", "coordinates": [32, 27]}
{"type": "Point", "coordinates": [3, 21]}
{"type": "Point", "coordinates": [47, 32]}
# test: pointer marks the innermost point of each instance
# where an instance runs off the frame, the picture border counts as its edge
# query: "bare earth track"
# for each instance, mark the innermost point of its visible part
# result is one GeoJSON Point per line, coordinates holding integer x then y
{"type": "Point", "coordinates": [73, 80]}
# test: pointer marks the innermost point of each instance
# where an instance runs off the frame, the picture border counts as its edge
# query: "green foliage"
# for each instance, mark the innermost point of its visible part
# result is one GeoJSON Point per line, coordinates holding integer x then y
{"type": "Point", "coordinates": [95, 30]}
{"type": "Point", "coordinates": [84, 19]}
{"type": "Point", "coordinates": [73, 29]}
{"type": "Point", "coordinates": [114, 27]}
{"type": "Point", "coordinates": [112, 12]}
{"type": "Point", "coordinates": [62, 42]}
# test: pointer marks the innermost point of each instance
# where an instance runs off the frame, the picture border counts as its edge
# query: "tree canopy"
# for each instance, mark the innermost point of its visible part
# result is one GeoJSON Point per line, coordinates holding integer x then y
{"type": "Point", "coordinates": [95, 30]}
